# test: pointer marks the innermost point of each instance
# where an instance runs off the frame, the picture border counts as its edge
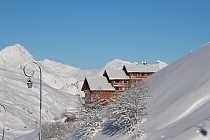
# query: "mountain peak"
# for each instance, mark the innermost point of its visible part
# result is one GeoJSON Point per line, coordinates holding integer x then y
{"type": "Point", "coordinates": [16, 48]}
{"type": "Point", "coordinates": [115, 64]}
{"type": "Point", "coordinates": [14, 55]}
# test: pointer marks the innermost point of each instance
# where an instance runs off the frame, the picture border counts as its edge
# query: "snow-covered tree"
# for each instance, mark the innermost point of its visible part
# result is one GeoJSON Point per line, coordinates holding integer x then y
{"type": "Point", "coordinates": [57, 130]}
{"type": "Point", "coordinates": [90, 120]}
{"type": "Point", "coordinates": [129, 109]}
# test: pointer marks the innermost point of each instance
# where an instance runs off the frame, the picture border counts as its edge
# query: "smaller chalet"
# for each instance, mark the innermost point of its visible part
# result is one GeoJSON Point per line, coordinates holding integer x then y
{"type": "Point", "coordinates": [95, 88]}
{"type": "Point", "coordinates": [118, 79]}
{"type": "Point", "coordinates": [138, 72]}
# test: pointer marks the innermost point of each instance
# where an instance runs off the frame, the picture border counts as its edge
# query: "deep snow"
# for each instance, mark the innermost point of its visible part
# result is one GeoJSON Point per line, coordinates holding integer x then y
{"type": "Point", "coordinates": [179, 104]}
{"type": "Point", "coordinates": [181, 98]}
{"type": "Point", "coordinates": [60, 84]}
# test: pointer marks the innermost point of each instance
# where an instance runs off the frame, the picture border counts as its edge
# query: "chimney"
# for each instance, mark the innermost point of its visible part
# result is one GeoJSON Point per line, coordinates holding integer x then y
{"type": "Point", "coordinates": [144, 63]}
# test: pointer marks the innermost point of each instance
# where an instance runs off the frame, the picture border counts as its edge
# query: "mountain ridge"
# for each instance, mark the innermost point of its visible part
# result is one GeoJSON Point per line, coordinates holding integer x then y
{"type": "Point", "coordinates": [59, 85]}
{"type": "Point", "coordinates": [15, 56]}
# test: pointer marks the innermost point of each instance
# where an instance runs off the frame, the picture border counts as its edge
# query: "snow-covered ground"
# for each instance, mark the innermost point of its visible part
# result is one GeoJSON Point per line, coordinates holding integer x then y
{"type": "Point", "coordinates": [60, 85]}
{"type": "Point", "coordinates": [21, 103]}
{"type": "Point", "coordinates": [180, 100]}
{"type": "Point", "coordinates": [179, 104]}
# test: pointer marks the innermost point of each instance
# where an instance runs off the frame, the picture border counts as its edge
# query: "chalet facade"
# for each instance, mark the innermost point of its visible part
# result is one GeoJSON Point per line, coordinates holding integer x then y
{"type": "Point", "coordinates": [118, 79]}
{"type": "Point", "coordinates": [138, 72]}
{"type": "Point", "coordinates": [95, 88]}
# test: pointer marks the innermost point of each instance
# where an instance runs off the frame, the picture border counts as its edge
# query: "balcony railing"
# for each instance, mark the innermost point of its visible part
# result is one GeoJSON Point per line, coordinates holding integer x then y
{"type": "Point", "coordinates": [121, 84]}
{"type": "Point", "coordinates": [138, 77]}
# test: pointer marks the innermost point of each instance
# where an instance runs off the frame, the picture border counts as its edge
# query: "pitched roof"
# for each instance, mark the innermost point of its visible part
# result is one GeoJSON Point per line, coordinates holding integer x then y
{"type": "Point", "coordinates": [99, 83]}
{"type": "Point", "coordinates": [116, 74]}
{"type": "Point", "coordinates": [141, 68]}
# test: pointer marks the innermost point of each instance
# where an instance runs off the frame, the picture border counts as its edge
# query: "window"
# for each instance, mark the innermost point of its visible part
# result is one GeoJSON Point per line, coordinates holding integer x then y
{"type": "Point", "coordinates": [117, 88]}
{"type": "Point", "coordinates": [143, 74]}
{"type": "Point", "coordinates": [116, 81]}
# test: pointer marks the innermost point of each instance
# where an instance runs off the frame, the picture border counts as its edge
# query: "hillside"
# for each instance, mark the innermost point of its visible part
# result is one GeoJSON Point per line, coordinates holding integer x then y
{"type": "Point", "coordinates": [60, 84]}
{"type": "Point", "coordinates": [180, 100]}
{"type": "Point", "coordinates": [22, 104]}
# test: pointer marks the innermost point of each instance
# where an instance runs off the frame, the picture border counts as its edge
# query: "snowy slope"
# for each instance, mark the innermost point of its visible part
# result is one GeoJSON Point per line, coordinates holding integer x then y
{"type": "Point", "coordinates": [115, 64]}
{"type": "Point", "coordinates": [21, 103]}
{"type": "Point", "coordinates": [15, 56]}
{"type": "Point", "coordinates": [118, 64]}
{"type": "Point", "coordinates": [65, 77]}
{"type": "Point", "coordinates": [62, 77]}
{"type": "Point", "coordinates": [180, 100]}
{"type": "Point", "coordinates": [60, 84]}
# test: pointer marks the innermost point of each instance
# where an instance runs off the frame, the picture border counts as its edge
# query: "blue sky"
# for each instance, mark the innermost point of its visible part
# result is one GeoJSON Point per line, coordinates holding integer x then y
{"type": "Point", "coordinates": [89, 33]}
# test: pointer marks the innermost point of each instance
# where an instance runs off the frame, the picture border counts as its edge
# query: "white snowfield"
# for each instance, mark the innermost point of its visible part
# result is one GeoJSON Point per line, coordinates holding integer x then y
{"type": "Point", "coordinates": [21, 103]}
{"type": "Point", "coordinates": [60, 84]}
{"type": "Point", "coordinates": [180, 102]}
{"type": "Point", "coordinates": [181, 99]}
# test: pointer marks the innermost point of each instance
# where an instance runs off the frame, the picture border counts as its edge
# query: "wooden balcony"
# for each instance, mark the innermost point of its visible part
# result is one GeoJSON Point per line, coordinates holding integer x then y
{"type": "Point", "coordinates": [120, 84]}
{"type": "Point", "coordinates": [139, 77]}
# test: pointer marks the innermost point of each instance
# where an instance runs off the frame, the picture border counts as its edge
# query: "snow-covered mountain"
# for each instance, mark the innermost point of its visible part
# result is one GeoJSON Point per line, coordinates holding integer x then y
{"type": "Point", "coordinates": [22, 104]}
{"type": "Point", "coordinates": [15, 56]}
{"type": "Point", "coordinates": [60, 84]}
{"type": "Point", "coordinates": [179, 104]}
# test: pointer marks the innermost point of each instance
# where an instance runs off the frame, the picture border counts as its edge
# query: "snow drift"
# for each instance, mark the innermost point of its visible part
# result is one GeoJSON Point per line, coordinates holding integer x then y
{"type": "Point", "coordinates": [60, 84]}
{"type": "Point", "coordinates": [180, 98]}
{"type": "Point", "coordinates": [179, 106]}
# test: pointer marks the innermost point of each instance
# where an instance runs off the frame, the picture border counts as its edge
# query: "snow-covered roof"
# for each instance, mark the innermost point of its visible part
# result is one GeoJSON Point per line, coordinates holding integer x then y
{"type": "Point", "coordinates": [141, 68]}
{"type": "Point", "coordinates": [99, 83]}
{"type": "Point", "coordinates": [161, 64]}
{"type": "Point", "coordinates": [116, 74]}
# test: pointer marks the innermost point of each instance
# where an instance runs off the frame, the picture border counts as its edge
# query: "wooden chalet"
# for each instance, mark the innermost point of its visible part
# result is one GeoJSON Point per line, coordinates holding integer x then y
{"type": "Point", "coordinates": [138, 72]}
{"type": "Point", "coordinates": [118, 79]}
{"type": "Point", "coordinates": [95, 88]}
